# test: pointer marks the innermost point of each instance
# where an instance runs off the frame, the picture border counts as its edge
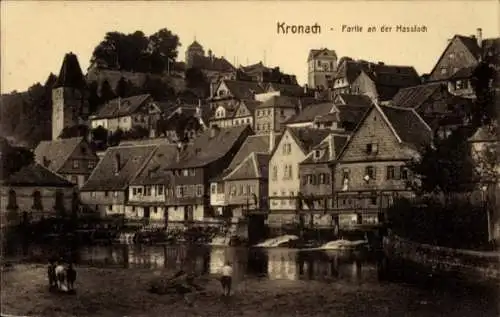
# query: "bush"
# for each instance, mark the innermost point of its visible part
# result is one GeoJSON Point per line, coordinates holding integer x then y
{"type": "Point", "coordinates": [455, 224]}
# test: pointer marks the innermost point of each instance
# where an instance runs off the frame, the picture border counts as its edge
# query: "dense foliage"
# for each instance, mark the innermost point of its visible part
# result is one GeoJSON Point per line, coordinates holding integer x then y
{"type": "Point", "coordinates": [458, 223]}
{"type": "Point", "coordinates": [137, 52]}
{"type": "Point", "coordinates": [13, 158]}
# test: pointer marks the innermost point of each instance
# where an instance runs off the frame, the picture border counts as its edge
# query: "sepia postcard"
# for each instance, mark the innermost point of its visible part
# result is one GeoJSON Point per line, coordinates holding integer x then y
{"type": "Point", "coordinates": [249, 158]}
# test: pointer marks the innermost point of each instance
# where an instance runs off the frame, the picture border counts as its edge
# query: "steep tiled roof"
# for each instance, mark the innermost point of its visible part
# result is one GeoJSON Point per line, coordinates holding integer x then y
{"type": "Point", "coordinates": [389, 79]}
{"type": "Point", "coordinates": [408, 125]}
{"type": "Point", "coordinates": [207, 148]}
{"type": "Point", "coordinates": [314, 53]}
{"type": "Point", "coordinates": [155, 170]}
{"type": "Point", "coordinates": [56, 152]}
{"type": "Point", "coordinates": [37, 175]}
{"type": "Point", "coordinates": [414, 97]}
{"type": "Point", "coordinates": [286, 90]}
{"type": "Point", "coordinates": [257, 67]}
{"type": "Point", "coordinates": [309, 113]}
{"type": "Point", "coordinates": [250, 104]}
{"type": "Point", "coordinates": [350, 116]}
{"type": "Point", "coordinates": [70, 74]}
{"type": "Point", "coordinates": [307, 138]}
{"type": "Point", "coordinates": [355, 100]}
{"type": "Point", "coordinates": [280, 102]}
{"type": "Point", "coordinates": [339, 141]}
{"type": "Point", "coordinates": [253, 143]}
{"type": "Point", "coordinates": [132, 158]}
{"type": "Point", "coordinates": [464, 73]}
{"type": "Point", "coordinates": [253, 166]}
{"type": "Point", "coordinates": [350, 70]}
{"type": "Point", "coordinates": [212, 63]}
{"type": "Point", "coordinates": [243, 89]}
{"type": "Point", "coordinates": [122, 106]}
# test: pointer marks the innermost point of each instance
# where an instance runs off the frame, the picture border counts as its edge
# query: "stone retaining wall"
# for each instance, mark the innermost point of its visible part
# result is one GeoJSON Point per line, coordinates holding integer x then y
{"type": "Point", "coordinates": [468, 264]}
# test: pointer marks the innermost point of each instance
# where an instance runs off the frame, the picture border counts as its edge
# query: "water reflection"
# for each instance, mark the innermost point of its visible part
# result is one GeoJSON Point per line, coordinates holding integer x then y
{"type": "Point", "coordinates": [275, 263]}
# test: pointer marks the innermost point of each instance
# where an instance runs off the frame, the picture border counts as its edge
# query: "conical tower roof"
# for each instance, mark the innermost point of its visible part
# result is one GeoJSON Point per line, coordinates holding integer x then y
{"type": "Point", "coordinates": [70, 74]}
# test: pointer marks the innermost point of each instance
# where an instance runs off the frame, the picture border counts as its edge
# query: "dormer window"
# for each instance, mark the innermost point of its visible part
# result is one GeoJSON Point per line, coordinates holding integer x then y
{"type": "Point", "coordinates": [317, 154]}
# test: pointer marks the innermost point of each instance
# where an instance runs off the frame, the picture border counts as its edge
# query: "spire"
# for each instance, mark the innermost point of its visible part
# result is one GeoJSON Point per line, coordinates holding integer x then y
{"type": "Point", "coordinates": [70, 74]}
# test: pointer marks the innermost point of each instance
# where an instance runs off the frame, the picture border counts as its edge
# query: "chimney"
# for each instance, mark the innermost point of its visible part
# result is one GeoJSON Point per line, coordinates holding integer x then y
{"type": "Point", "coordinates": [271, 141]}
{"type": "Point", "coordinates": [117, 163]}
{"type": "Point", "coordinates": [479, 36]}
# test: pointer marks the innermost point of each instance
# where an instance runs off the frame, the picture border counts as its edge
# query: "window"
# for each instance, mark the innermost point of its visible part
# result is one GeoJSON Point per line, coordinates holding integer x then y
{"type": "Point", "coordinates": [443, 70]}
{"type": "Point", "coordinates": [240, 192]}
{"type": "Point", "coordinates": [373, 199]}
{"type": "Point", "coordinates": [317, 154]}
{"type": "Point", "coordinates": [391, 174]}
{"type": "Point", "coordinates": [91, 165]}
{"type": "Point", "coordinates": [283, 194]}
{"type": "Point", "coordinates": [372, 148]}
{"type": "Point", "coordinates": [282, 112]}
{"type": "Point", "coordinates": [115, 194]}
{"type": "Point", "coordinates": [106, 193]}
{"type": "Point", "coordinates": [345, 174]}
{"type": "Point", "coordinates": [92, 194]}
{"type": "Point", "coordinates": [232, 190]}
{"type": "Point", "coordinates": [192, 172]}
{"type": "Point", "coordinates": [370, 172]}
{"type": "Point", "coordinates": [199, 190]}
{"type": "Point", "coordinates": [274, 202]}
{"type": "Point", "coordinates": [160, 190]}
{"type": "Point", "coordinates": [275, 173]}
{"type": "Point", "coordinates": [76, 164]}
{"type": "Point", "coordinates": [213, 188]}
{"type": "Point", "coordinates": [139, 191]}
{"type": "Point", "coordinates": [110, 207]}
{"type": "Point", "coordinates": [321, 178]}
{"type": "Point", "coordinates": [451, 55]}
{"type": "Point", "coordinates": [147, 191]}
{"type": "Point", "coordinates": [74, 179]}
{"type": "Point", "coordinates": [37, 200]}
{"type": "Point", "coordinates": [185, 172]}
{"type": "Point", "coordinates": [287, 148]}
{"type": "Point", "coordinates": [404, 173]}
{"type": "Point", "coordinates": [179, 191]}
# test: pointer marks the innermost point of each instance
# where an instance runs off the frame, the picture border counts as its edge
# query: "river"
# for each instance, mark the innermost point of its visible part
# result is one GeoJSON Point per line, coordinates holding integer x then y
{"type": "Point", "coordinates": [307, 270]}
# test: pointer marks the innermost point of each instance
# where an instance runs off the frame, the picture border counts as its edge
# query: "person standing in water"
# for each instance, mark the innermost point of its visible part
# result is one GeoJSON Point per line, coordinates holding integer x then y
{"type": "Point", "coordinates": [227, 277]}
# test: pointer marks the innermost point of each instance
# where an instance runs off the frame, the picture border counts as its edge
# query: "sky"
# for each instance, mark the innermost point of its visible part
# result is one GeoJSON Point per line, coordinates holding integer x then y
{"type": "Point", "coordinates": [35, 35]}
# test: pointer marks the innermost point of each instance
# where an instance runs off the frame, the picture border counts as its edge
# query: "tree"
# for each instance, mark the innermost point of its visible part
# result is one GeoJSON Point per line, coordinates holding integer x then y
{"type": "Point", "coordinates": [13, 158]}
{"type": "Point", "coordinates": [446, 166]}
{"type": "Point", "coordinates": [122, 88]}
{"type": "Point", "coordinates": [94, 99]}
{"type": "Point", "coordinates": [196, 79]}
{"type": "Point", "coordinates": [136, 51]}
{"type": "Point", "coordinates": [74, 131]}
{"type": "Point", "coordinates": [99, 134]}
{"type": "Point", "coordinates": [158, 89]}
{"type": "Point", "coordinates": [106, 92]}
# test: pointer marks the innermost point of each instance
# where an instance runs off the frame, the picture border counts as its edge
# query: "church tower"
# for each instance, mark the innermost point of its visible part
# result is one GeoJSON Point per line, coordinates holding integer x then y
{"type": "Point", "coordinates": [69, 97]}
{"type": "Point", "coordinates": [322, 65]}
{"type": "Point", "coordinates": [193, 50]}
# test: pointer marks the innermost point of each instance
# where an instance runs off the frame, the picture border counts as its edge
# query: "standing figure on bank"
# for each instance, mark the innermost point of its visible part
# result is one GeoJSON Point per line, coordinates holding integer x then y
{"type": "Point", "coordinates": [226, 279]}
{"type": "Point", "coordinates": [61, 276]}
{"type": "Point", "coordinates": [71, 277]}
{"type": "Point", "coordinates": [51, 272]}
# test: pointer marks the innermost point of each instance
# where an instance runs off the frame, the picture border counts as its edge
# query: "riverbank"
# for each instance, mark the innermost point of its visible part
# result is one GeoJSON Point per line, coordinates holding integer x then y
{"type": "Point", "coordinates": [123, 292]}
{"type": "Point", "coordinates": [472, 267]}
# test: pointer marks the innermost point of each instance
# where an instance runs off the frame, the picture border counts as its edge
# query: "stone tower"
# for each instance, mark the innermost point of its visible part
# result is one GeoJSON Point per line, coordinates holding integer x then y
{"type": "Point", "coordinates": [322, 65]}
{"type": "Point", "coordinates": [69, 97]}
{"type": "Point", "coordinates": [194, 49]}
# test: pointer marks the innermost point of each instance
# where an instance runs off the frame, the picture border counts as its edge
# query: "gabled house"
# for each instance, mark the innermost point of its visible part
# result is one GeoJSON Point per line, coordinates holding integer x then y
{"type": "Point", "coordinates": [382, 82]}
{"type": "Point", "coordinates": [188, 195]}
{"type": "Point", "coordinates": [284, 183]}
{"type": "Point", "coordinates": [316, 181]}
{"type": "Point", "coordinates": [345, 75]}
{"type": "Point", "coordinates": [465, 52]}
{"type": "Point", "coordinates": [148, 189]}
{"type": "Point", "coordinates": [182, 122]}
{"type": "Point", "coordinates": [286, 89]}
{"type": "Point", "coordinates": [34, 192]}
{"type": "Point", "coordinates": [371, 168]}
{"type": "Point", "coordinates": [233, 90]}
{"type": "Point", "coordinates": [260, 73]}
{"type": "Point", "coordinates": [238, 114]}
{"type": "Point", "coordinates": [72, 158]}
{"type": "Point", "coordinates": [250, 160]}
{"type": "Point", "coordinates": [271, 114]}
{"type": "Point", "coordinates": [106, 190]}
{"type": "Point", "coordinates": [126, 113]}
